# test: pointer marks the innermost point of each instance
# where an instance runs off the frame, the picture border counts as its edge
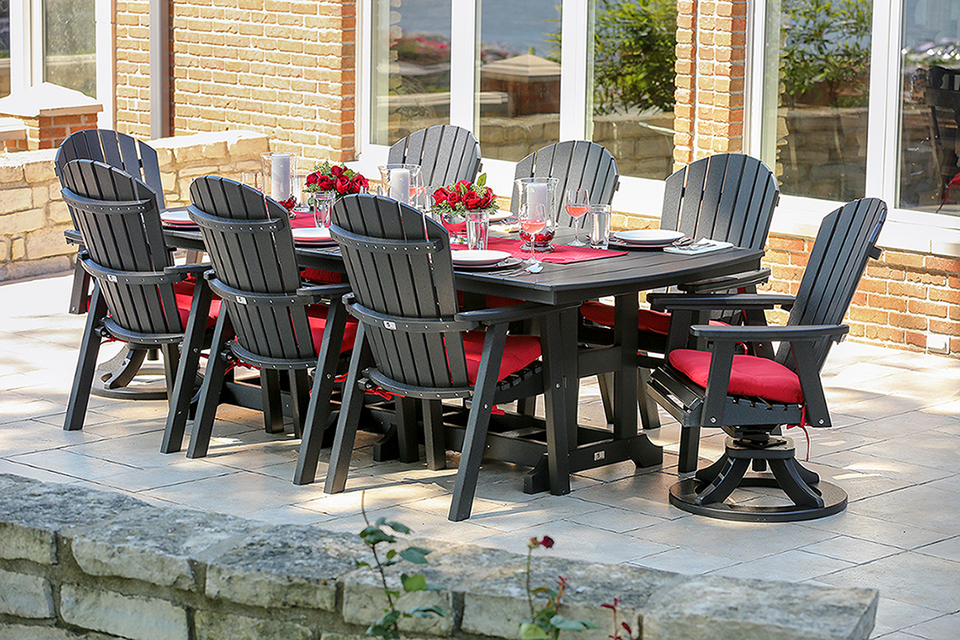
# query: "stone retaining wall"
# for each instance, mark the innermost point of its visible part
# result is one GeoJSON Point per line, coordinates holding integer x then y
{"type": "Point", "coordinates": [33, 217]}
{"type": "Point", "coordinates": [80, 563]}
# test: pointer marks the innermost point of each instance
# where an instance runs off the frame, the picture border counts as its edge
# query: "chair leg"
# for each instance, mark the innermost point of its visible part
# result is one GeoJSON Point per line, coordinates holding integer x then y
{"type": "Point", "coordinates": [407, 439]}
{"type": "Point", "coordinates": [180, 394]}
{"type": "Point", "coordinates": [434, 438]}
{"type": "Point", "coordinates": [793, 483]}
{"type": "Point", "coordinates": [605, 383]}
{"type": "Point", "coordinates": [128, 369]}
{"type": "Point", "coordinates": [649, 416]}
{"type": "Point", "coordinates": [349, 419]}
{"type": "Point", "coordinates": [272, 401]}
{"type": "Point", "coordinates": [86, 363]}
{"type": "Point", "coordinates": [210, 391]}
{"type": "Point", "coordinates": [689, 450]}
{"type": "Point", "coordinates": [475, 436]}
{"type": "Point", "coordinates": [299, 398]}
{"type": "Point", "coordinates": [726, 481]}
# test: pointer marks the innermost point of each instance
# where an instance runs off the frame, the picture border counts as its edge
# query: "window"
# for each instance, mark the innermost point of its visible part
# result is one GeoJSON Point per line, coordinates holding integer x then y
{"type": "Point", "coordinates": [69, 44]}
{"type": "Point", "coordinates": [4, 48]}
{"type": "Point", "coordinates": [524, 75]}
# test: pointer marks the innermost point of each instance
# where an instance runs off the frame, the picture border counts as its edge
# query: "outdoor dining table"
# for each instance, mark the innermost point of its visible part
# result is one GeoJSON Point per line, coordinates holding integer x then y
{"type": "Point", "coordinates": [621, 276]}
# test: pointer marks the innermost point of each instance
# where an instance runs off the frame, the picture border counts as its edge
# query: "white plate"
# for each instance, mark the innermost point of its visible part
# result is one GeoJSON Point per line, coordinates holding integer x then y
{"type": "Point", "coordinates": [312, 234]}
{"type": "Point", "coordinates": [648, 236]}
{"type": "Point", "coordinates": [501, 214]}
{"type": "Point", "coordinates": [176, 217]}
{"type": "Point", "coordinates": [479, 256]}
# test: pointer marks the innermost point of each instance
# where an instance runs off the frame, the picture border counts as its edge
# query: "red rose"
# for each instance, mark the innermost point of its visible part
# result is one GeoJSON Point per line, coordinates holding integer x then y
{"type": "Point", "coordinates": [336, 171]}
{"type": "Point", "coordinates": [453, 198]}
{"type": "Point", "coordinates": [547, 543]}
{"type": "Point", "coordinates": [325, 183]}
{"type": "Point", "coordinates": [342, 184]}
{"type": "Point", "coordinates": [440, 196]}
{"type": "Point", "coordinates": [462, 184]}
{"type": "Point", "coordinates": [313, 178]}
{"type": "Point", "coordinates": [471, 200]}
{"type": "Point", "coordinates": [359, 183]}
{"type": "Point", "coordinates": [487, 199]}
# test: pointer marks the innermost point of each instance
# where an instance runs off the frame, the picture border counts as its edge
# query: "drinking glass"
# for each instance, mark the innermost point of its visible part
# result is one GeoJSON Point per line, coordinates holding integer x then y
{"type": "Point", "coordinates": [252, 179]}
{"type": "Point", "coordinates": [533, 221]}
{"type": "Point", "coordinates": [598, 225]}
{"type": "Point", "coordinates": [478, 222]}
{"type": "Point", "coordinates": [577, 202]}
{"type": "Point", "coordinates": [323, 206]}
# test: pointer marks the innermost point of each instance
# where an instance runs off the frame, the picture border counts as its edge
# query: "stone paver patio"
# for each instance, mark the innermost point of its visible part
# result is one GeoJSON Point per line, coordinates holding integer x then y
{"type": "Point", "coordinates": [894, 449]}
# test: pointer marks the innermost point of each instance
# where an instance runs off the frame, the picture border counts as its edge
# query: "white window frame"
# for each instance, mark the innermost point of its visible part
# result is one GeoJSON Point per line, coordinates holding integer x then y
{"type": "Point", "coordinates": [634, 195]}
{"type": "Point", "coordinates": [905, 229]}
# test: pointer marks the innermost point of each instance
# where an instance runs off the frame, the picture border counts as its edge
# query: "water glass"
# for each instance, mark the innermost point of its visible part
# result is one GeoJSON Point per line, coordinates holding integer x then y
{"type": "Point", "coordinates": [322, 202]}
{"type": "Point", "coordinates": [478, 224]}
{"type": "Point", "coordinates": [598, 225]}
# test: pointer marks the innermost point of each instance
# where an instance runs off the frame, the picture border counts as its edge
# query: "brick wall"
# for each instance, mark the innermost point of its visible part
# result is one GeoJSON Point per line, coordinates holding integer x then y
{"type": "Point", "coordinates": [711, 71]}
{"type": "Point", "coordinates": [284, 69]}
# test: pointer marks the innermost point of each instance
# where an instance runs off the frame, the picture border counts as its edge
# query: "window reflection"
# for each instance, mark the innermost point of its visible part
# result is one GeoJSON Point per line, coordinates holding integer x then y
{"type": "Point", "coordinates": [69, 45]}
{"type": "Point", "coordinates": [519, 96]}
{"type": "Point", "coordinates": [930, 107]}
{"type": "Point", "coordinates": [633, 83]}
{"type": "Point", "coordinates": [4, 48]}
{"type": "Point", "coordinates": [411, 76]}
{"type": "Point", "coordinates": [823, 89]}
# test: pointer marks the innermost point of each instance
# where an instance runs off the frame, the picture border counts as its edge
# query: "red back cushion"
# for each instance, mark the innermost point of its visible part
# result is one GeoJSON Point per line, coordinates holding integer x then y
{"type": "Point", "coordinates": [750, 375]}
{"type": "Point", "coordinates": [518, 352]}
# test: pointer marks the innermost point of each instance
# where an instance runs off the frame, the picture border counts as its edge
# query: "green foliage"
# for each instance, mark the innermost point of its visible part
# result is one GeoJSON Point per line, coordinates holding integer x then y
{"type": "Point", "coordinates": [375, 535]}
{"type": "Point", "coordinates": [826, 51]}
{"type": "Point", "coordinates": [545, 622]}
{"type": "Point", "coordinates": [634, 55]}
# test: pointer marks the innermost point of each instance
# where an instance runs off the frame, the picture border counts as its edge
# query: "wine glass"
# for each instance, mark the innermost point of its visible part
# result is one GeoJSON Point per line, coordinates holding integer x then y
{"type": "Point", "coordinates": [533, 220]}
{"type": "Point", "coordinates": [576, 202]}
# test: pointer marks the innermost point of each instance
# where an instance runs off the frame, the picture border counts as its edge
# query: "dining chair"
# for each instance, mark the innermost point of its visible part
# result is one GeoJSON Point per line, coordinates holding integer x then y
{"type": "Point", "coordinates": [446, 153]}
{"type": "Point", "coordinates": [751, 397]}
{"type": "Point", "coordinates": [728, 197]}
{"type": "Point", "coordinates": [139, 295]}
{"type": "Point", "coordinates": [413, 341]}
{"type": "Point", "coordinates": [268, 319]}
{"type": "Point", "coordinates": [577, 164]}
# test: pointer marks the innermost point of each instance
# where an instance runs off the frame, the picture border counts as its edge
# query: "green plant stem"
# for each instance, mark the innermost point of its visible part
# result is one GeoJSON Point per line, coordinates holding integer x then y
{"type": "Point", "coordinates": [376, 558]}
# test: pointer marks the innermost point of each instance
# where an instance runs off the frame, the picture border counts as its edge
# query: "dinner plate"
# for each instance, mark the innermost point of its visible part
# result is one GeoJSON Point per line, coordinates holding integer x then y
{"type": "Point", "coordinates": [478, 257]}
{"type": "Point", "coordinates": [503, 264]}
{"type": "Point", "coordinates": [178, 218]}
{"type": "Point", "coordinates": [500, 215]}
{"type": "Point", "coordinates": [312, 235]}
{"type": "Point", "coordinates": [661, 237]}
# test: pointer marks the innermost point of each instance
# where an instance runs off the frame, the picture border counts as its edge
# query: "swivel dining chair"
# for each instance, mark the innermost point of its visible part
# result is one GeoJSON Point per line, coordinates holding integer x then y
{"type": "Point", "coordinates": [751, 397]}
{"type": "Point", "coordinates": [139, 295]}
{"type": "Point", "coordinates": [446, 153]}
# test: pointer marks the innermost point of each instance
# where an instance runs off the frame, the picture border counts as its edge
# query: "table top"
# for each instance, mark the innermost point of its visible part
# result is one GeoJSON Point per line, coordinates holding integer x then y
{"type": "Point", "coordinates": [638, 270]}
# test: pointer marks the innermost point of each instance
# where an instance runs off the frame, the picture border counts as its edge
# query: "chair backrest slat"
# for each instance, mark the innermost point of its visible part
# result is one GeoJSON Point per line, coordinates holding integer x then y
{"type": "Point", "coordinates": [575, 163]}
{"type": "Point", "coordinates": [255, 258]}
{"type": "Point", "coordinates": [446, 153]}
{"type": "Point", "coordinates": [405, 284]}
{"type": "Point", "coordinates": [846, 240]}
{"type": "Point", "coordinates": [119, 220]}
{"type": "Point", "coordinates": [728, 197]}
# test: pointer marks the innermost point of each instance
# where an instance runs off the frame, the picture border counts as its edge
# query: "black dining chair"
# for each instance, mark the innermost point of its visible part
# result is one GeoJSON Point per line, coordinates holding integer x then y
{"type": "Point", "coordinates": [446, 154]}
{"type": "Point", "coordinates": [575, 164]}
{"type": "Point", "coordinates": [139, 295]}
{"type": "Point", "coordinates": [268, 318]}
{"type": "Point", "coordinates": [414, 342]}
{"type": "Point", "coordinates": [751, 397]}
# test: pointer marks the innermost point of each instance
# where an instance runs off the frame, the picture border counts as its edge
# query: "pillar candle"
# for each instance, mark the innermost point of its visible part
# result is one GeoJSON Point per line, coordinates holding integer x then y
{"type": "Point", "coordinates": [280, 176]}
{"type": "Point", "coordinates": [400, 185]}
{"type": "Point", "coordinates": [537, 196]}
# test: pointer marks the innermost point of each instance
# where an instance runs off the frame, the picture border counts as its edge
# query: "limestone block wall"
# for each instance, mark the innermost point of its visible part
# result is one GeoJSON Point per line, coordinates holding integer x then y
{"type": "Point", "coordinates": [78, 561]}
{"type": "Point", "coordinates": [33, 216]}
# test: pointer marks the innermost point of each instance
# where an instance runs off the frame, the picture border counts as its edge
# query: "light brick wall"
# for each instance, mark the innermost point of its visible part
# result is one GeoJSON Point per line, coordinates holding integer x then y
{"type": "Point", "coordinates": [284, 69]}
{"type": "Point", "coordinates": [711, 73]}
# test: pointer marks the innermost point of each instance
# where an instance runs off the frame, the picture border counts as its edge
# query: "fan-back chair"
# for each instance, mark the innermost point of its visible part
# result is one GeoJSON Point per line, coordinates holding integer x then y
{"type": "Point", "coordinates": [268, 320]}
{"type": "Point", "coordinates": [139, 296]}
{"type": "Point", "coordinates": [750, 397]}
{"type": "Point", "coordinates": [577, 164]}
{"type": "Point", "coordinates": [414, 343]}
{"type": "Point", "coordinates": [446, 153]}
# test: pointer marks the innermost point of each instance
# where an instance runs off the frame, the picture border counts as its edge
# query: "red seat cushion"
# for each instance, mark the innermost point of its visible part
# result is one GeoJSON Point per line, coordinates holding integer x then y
{"type": "Point", "coordinates": [319, 276]}
{"type": "Point", "coordinates": [650, 321]}
{"type": "Point", "coordinates": [749, 376]}
{"type": "Point", "coordinates": [183, 292]}
{"type": "Point", "coordinates": [317, 317]}
{"type": "Point", "coordinates": [518, 352]}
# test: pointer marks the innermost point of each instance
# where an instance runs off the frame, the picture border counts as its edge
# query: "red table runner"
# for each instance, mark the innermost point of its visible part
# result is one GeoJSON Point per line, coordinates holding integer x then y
{"type": "Point", "coordinates": [561, 254]}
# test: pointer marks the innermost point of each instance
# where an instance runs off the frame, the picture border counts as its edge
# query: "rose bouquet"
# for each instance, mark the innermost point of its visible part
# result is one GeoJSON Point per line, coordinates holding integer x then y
{"type": "Point", "coordinates": [336, 178]}
{"type": "Point", "coordinates": [452, 202]}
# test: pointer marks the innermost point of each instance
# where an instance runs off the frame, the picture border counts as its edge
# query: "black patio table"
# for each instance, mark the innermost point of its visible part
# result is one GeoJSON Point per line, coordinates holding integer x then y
{"type": "Point", "coordinates": [622, 277]}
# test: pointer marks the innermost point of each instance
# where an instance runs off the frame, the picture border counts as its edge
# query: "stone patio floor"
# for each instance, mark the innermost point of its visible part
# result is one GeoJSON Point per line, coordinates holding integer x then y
{"type": "Point", "coordinates": [895, 448]}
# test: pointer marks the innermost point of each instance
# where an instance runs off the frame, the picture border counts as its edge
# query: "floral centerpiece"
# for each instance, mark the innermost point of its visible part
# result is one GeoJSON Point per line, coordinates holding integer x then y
{"type": "Point", "coordinates": [451, 203]}
{"type": "Point", "coordinates": [336, 178]}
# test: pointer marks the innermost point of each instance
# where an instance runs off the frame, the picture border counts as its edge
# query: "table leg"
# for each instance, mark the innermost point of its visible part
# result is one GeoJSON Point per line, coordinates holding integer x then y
{"type": "Point", "coordinates": [625, 378]}
{"type": "Point", "coordinates": [558, 399]}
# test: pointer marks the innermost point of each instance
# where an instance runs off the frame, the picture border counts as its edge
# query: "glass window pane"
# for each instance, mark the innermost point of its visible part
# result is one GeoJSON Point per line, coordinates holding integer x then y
{"type": "Point", "coordinates": [823, 87]}
{"type": "Point", "coordinates": [930, 106]}
{"type": "Point", "coordinates": [411, 67]}
{"type": "Point", "coordinates": [633, 83]}
{"type": "Point", "coordinates": [4, 48]}
{"type": "Point", "coordinates": [69, 44]}
{"type": "Point", "coordinates": [519, 96]}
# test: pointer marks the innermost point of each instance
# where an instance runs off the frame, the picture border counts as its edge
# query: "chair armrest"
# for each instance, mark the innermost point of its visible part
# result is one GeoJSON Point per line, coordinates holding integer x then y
{"type": "Point", "coordinates": [318, 292]}
{"type": "Point", "coordinates": [724, 283]}
{"type": "Point", "coordinates": [188, 269]}
{"type": "Point", "coordinates": [736, 301]}
{"type": "Point", "coordinates": [513, 313]}
{"type": "Point", "coordinates": [802, 333]}
{"type": "Point", "coordinates": [72, 236]}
